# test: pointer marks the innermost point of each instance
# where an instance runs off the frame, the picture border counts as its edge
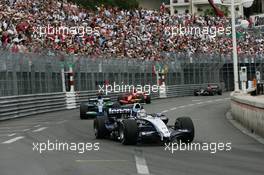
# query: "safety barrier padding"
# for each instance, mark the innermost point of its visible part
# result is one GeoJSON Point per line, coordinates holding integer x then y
{"type": "Point", "coordinates": [249, 111]}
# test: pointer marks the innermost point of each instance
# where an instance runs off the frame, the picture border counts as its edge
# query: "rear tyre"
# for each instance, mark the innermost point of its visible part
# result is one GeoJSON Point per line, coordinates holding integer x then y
{"type": "Point", "coordinates": [219, 92]}
{"type": "Point", "coordinates": [100, 130]}
{"type": "Point", "coordinates": [116, 105]}
{"type": "Point", "coordinates": [128, 132]}
{"type": "Point", "coordinates": [83, 112]}
{"type": "Point", "coordinates": [119, 98]}
{"type": "Point", "coordinates": [185, 123]}
{"type": "Point", "coordinates": [142, 99]}
{"type": "Point", "coordinates": [148, 100]}
{"type": "Point", "coordinates": [211, 93]}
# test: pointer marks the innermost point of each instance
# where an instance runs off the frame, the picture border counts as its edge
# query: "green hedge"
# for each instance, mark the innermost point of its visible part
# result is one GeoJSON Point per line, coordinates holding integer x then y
{"type": "Point", "coordinates": [124, 4]}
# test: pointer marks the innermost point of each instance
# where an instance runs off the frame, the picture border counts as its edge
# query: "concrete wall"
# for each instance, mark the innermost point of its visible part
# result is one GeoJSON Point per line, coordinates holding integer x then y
{"type": "Point", "coordinates": [249, 111]}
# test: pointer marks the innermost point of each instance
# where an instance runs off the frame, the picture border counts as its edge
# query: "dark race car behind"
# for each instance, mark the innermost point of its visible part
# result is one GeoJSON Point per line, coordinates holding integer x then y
{"type": "Point", "coordinates": [210, 90]}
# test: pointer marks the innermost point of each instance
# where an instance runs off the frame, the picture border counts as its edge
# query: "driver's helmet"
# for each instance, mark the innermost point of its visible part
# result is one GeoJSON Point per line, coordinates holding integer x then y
{"type": "Point", "coordinates": [136, 108]}
{"type": "Point", "coordinates": [100, 100]}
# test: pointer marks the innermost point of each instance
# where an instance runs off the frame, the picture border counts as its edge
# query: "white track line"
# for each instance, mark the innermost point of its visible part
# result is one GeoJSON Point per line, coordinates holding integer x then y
{"type": "Point", "coordinates": [10, 135]}
{"type": "Point", "coordinates": [13, 140]}
{"type": "Point", "coordinates": [188, 105]}
{"type": "Point", "coordinates": [4, 127]}
{"type": "Point", "coordinates": [61, 122]}
{"type": "Point", "coordinates": [97, 161]}
{"type": "Point", "coordinates": [23, 130]}
{"type": "Point", "coordinates": [37, 126]}
{"type": "Point", "coordinates": [141, 164]}
{"type": "Point", "coordinates": [164, 111]}
{"type": "Point", "coordinates": [196, 100]}
{"type": "Point", "coordinates": [40, 129]}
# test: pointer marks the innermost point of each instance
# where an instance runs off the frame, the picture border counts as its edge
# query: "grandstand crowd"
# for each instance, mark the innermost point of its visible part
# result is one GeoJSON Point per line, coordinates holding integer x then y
{"type": "Point", "coordinates": [136, 34]}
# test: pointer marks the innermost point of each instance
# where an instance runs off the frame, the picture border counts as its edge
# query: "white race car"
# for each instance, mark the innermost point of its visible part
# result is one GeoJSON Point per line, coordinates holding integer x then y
{"type": "Point", "coordinates": [131, 125]}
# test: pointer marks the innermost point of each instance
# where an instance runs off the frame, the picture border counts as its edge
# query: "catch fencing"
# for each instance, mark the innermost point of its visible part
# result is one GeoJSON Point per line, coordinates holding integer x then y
{"type": "Point", "coordinates": [24, 74]}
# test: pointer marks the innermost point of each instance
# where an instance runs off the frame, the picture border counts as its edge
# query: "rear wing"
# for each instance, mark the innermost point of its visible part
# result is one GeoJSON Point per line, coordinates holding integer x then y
{"type": "Point", "coordinates": [107, 99]}
{"type": "Point", "coordinates": [93, 100]}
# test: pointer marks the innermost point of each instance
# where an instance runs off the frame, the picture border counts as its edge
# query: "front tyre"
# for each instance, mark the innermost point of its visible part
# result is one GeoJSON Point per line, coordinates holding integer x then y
{"type": "Point", "coordinates": [185, 123]}
{"type": "Point", "coordinates": [128, 132]}
{"type": "Point", "coordinates": [100, 130]}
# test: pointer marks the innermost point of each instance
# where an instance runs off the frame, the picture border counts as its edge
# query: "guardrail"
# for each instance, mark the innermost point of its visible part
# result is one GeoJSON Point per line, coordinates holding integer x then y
{"type": "Point", "coordinates": [182, 90]}
{"type": "Point", "coordinates": [26, 105]}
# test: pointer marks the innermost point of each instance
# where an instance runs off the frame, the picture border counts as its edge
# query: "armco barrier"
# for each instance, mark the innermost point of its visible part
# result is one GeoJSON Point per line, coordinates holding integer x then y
{"type": "Point", "coordinates": [182, 90]}
{"type": "Point", "coordinates": [26, 105]}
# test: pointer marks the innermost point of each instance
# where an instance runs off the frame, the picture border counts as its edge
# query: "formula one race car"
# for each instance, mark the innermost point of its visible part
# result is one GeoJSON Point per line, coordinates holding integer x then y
{"type": "Point", "coordinates": [133, 125]}
{"type": "Point", "coordinates": [209, 90]}
{"type": "Point", "coordinates": [95, 107]}
{"type": "Point", "coordinates": [134, 97]}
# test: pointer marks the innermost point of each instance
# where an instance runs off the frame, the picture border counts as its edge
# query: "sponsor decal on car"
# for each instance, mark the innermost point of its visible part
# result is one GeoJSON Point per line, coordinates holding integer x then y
{"type": "Point", "coordinates": [119, 111]}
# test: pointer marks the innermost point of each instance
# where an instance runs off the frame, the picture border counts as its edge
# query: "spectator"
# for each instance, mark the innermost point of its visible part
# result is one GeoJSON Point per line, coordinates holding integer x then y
{"type": "Point", "coordinates": [136, 34]}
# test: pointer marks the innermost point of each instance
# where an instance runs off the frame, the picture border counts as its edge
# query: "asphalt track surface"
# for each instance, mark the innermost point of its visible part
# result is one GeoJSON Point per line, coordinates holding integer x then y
{"type": "Point", "coordinates": [208, 113]}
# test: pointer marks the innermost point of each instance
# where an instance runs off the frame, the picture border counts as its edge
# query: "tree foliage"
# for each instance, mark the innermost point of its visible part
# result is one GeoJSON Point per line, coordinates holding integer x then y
{"type": "Point", "coordinates": [211, 12]}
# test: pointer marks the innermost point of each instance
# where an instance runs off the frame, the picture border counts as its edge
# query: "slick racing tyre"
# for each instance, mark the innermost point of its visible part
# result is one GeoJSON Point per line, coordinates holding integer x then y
{"type": "Point", "coordinates": [128, 132]}
{"type": "Point", "coordinates": [83, 111]}
{"type": "Point", "coordinates": [219, 92]}
{"type": "Point", "coordinates": [142, 98]}
{"type": "Point", "coordinates": [119, 98]}
{"type": "Point", "coordinates": [148, 100]}
{"type": "Point", "coordinates": [210, 93]}
{"type": "Point", "coordinates": [100, 130]}
{"type": "Point", "coordinates": [116, 105]}
{"type": "Point", "coordinates": [185, 123]}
